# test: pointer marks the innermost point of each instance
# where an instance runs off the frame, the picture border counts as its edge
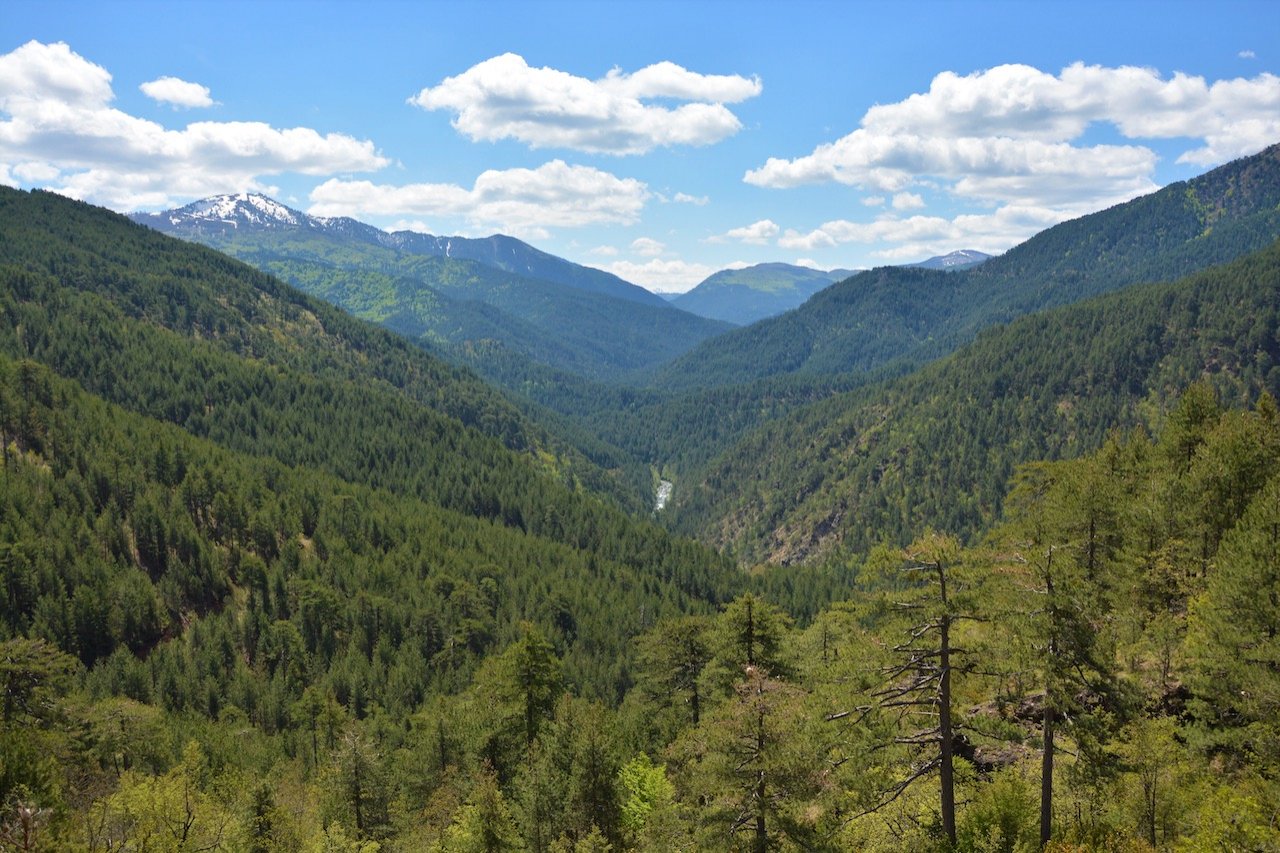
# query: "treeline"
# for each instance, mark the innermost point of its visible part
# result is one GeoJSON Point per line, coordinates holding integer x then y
{"type": "Point", "coordinates": [1113, 633]}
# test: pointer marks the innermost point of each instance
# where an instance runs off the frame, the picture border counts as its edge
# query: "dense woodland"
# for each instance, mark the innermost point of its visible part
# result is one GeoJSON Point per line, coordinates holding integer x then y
{"type": "Point", "coordinates": [275, 579]}
{"type": "Point", "coordinates": [938, 446]}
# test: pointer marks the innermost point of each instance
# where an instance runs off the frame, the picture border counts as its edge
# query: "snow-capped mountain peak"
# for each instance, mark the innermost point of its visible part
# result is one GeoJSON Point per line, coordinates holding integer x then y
{"type": "Point", "coordinates": [238, 208]}
{"type": "Point", "coordinates": [247, 211]}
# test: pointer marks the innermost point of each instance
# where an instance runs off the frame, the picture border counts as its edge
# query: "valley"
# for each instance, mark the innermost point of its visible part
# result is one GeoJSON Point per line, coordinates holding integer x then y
{"type": "Point", "coordinates": [316, 535]}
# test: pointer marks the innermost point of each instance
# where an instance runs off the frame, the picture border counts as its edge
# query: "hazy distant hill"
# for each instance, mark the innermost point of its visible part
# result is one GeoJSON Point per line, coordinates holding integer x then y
{"type": "Point", "coordinates": [890, 313]}
{"type": "Point", "coordinates": [743, 296]}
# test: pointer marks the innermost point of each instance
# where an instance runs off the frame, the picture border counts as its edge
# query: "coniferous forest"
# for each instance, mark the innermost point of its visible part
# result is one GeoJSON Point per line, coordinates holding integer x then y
{"type": "Point", "coordinates": [276, 578]}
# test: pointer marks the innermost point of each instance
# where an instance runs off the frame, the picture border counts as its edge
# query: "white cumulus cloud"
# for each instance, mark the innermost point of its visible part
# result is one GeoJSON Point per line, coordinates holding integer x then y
{"type": "Point", "coordinates": [177, 93]}
{"type": "Point", "coordinates": [1010, 129]}
{"type": "Point", "coordinates": [415, 225]}
{"type": "Point", "coordinates": [918, 237]}
{"type": "Point", "coordinates": [35, 172]}
{"type": "Point", "coordinates": [527, 202]}
{"type": "Point", "coordinates": [505, 98]}
{"type": "Point", "coordinates": [1008, 140]}
{"type": "Point", "coordinates": [757, 233]}
{"type": "Point", "coordinates": [662, 276]}
{"type": "Point", "coordinates": [907, 201]}
{"type": "Point", "coordinates": [696, 200]}
{"type": "Point", "coordinates": [647, 247]}
{"type": "Point", "coordinates": [55, 111]}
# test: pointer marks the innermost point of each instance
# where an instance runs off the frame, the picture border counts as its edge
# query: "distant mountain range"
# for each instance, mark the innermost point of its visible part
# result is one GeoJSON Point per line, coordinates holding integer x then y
{"type": "Point", "coordinates": [495, 303]}
{"type": "Point", "coordinates": [743, 296]}
{"type": "Point", "coordinates": [235, 222]}
{"type": "Point", "coordinates": [893, 313]}
{"type": "Point", "coordinates": [219, 218]}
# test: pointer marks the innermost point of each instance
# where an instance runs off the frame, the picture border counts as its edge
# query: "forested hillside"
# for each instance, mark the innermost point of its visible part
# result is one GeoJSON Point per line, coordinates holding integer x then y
{"type": "Point", "coordinates": [938, 446]}
{"type": "Point", "coordinates": [515, 256]}
{"type": "Point", "coordinates": [463, 307]}
{"type": "Point", "coordinates": [276, 579]}
{"type": "Point", "coordinates": [478, 301]}
{"type": "Point", "coordinates": [910, 313]}
{"type": "Point", "coordinates": [203, 651]}
{"type": "Point", "coordinates": [152, 323]}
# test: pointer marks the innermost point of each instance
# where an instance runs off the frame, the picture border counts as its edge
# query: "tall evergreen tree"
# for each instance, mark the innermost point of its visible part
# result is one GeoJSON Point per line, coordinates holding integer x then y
{"type": "Point", "coordinates": [1235, 635]}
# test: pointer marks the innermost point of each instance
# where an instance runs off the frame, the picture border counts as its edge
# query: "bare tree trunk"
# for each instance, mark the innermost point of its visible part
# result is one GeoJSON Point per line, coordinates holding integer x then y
{"type": "Point", "coordinates": [1046, 777]}
{"type": "Point", "coordinates": [760, 843]}
{"type": "Point", "coordinates": [946, 770]}
{"type": "Point", "coordinates": [1046, 762]}
{"type": "Point", "coordinates": [944, 732]}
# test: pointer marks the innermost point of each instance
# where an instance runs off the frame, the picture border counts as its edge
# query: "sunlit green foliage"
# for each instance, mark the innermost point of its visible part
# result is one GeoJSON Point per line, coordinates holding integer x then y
{"type": "Point", "coordinates": [273, 580]}
{"type": "Point", "coordinates": [938, 446]}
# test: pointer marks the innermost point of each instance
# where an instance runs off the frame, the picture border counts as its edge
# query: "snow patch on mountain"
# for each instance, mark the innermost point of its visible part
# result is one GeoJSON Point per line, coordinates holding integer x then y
{"type": "Point", "coordinates": [220, 216]}
{"type": "Point", "coordinates": [247, 208]}
{"type": "Point", "coordinates": [954, 260]}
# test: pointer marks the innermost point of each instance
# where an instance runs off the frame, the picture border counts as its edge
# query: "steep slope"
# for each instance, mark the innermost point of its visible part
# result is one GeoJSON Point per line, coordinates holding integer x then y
{"type": "Point", "coordinates": [127, 536]}
{"type": "Point", "coordinates": [937, 447]}
{"type": "Point", "coordinates": [893, 313]}
{"type": "Point", "coordinates": [179, 332]}
{"type": "Point", "coordinates": [743, 296]}
{"type": "Point", "coordinates": [461, 305]}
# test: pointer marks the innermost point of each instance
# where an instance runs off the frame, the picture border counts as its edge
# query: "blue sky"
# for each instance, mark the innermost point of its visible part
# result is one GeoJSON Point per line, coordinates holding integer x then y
{"type": "Point", "coordinates": [662, 141]}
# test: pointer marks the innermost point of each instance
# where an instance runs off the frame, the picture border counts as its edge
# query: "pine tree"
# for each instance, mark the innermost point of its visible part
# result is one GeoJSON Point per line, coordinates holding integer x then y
{"type": "Point", "coordinates": [754, 765]}
{"type": "Point", "coordinates": [1235, 634]}
{"type": "Point", "coordinates": [672, 656]}
{"type": "Point", "coordinates": [1057, 611]}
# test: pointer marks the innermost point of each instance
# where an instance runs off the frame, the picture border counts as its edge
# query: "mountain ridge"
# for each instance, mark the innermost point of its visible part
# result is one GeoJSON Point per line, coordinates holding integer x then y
{"type": "Point", "coordinates": [959, 259]}
{"type": "Point", "coordinates": [435, 290]}
{"type": "Point", "coordinates": [937, 446]}
{"type": "Point", "coordinates": [891, 313]}
{"type": "Point", "coordinates": [218, 216]}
